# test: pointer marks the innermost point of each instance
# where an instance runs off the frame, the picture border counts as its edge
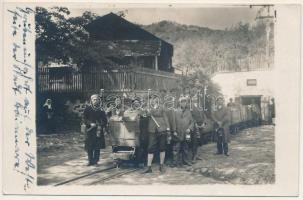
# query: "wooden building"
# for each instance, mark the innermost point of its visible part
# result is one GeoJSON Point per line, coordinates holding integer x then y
{"type": "Point", "coordinates": [128, 44]}
{"type": "Point", "coordinates": [139, 60]}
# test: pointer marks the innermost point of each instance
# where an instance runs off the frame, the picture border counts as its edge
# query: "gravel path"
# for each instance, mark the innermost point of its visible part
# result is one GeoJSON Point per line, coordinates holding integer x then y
{"type": "Point", "coordinates": [251, 161]}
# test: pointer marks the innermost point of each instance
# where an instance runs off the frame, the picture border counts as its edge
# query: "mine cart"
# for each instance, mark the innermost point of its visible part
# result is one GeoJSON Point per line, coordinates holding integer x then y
{"type": "Point", "coordinates": [124, 135]}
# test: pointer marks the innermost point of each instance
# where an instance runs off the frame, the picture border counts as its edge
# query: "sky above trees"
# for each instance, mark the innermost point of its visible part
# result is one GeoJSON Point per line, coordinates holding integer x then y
{"type": "Point", "coordinates": [212, 17]}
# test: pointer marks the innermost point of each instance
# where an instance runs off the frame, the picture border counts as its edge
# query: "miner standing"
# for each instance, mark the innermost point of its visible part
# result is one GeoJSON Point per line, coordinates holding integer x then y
{"type": "Point", "coordinates": [158, 127]}
{"type": "Point", "coordinates": [221, 118]}
{"type": "Point", "coordinates": [95, 121]}
{"type": "Point", "coordinates": [182, 135]}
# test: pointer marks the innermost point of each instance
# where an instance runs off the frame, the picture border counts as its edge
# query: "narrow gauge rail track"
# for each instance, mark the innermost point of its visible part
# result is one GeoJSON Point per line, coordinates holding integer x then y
{"type": "Point", "coordinates": [98, 176]}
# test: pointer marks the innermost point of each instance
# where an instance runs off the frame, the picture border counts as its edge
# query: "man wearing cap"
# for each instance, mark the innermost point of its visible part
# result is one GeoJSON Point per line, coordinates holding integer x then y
{"type": "Point", "coordinates": [221, 118]}
{"type": "Point", "coordinates": [95, 120]}
{"type": "Point", "coordinates": [184, 127]}
{"type": "Point", "coordinates": [158, 127]}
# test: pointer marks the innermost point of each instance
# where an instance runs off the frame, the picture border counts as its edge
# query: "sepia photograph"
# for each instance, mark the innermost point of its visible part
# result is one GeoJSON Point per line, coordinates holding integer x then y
{"type": "Point", "coordinates": [146, 96]}
{"type": "Point", "coordinates": [151, 99]}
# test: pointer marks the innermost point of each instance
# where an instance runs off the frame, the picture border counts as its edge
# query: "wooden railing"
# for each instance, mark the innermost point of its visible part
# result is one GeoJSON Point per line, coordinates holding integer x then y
{"type": "Point", "coordinates": [131, 79]}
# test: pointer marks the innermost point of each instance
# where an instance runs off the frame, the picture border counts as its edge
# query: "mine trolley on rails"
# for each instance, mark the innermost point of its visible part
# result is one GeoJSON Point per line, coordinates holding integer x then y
{"type": "Point", "coordinates": [124, 136]}
{"type": "Point", "coordinates": [125, 131]}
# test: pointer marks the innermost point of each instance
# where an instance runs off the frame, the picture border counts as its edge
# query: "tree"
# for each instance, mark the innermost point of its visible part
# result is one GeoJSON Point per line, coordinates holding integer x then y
{"type": "Point", "coordinates": [64, 40]}
{"type": "Point", "coordinates": [54, 36]}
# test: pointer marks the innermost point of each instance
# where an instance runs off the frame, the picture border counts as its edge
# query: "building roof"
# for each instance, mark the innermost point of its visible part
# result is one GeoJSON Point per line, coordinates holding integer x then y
{"type": "Point", "coordinates": [113, 27]}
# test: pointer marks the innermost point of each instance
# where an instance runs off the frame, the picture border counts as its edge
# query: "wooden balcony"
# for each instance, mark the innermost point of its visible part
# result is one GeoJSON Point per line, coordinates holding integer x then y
{"type": "Point", "coordinates": [127, 79]}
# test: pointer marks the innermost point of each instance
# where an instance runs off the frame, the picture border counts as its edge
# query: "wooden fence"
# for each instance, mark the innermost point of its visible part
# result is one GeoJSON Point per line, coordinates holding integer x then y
{"type": "Point", "coordinates": [132, 79]}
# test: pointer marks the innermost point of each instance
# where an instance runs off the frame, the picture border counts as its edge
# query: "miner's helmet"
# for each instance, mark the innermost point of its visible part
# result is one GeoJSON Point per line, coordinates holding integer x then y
{"type": "Point", "coordinates": [94, 96]}
{"type": "Point", "coordinates": [183, 98]}
{"type": "Point", "coordinates": [95, 100]}
{"type": "Point", "coordinates": [136, 100]}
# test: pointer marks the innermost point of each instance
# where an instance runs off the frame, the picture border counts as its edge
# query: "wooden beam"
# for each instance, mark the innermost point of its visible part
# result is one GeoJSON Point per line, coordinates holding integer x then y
{"type": "Point", "coordinates": [156, 63]}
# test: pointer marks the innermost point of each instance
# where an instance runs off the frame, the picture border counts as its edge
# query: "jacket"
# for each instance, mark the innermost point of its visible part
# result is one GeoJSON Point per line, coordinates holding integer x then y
{"type": "Point", "coordinates": [92, 141]}
{"type": "Point", "coordinates": [171, 116]}
{"type": "Point", "coordinates": [222, 115]}
{"type": "Point", "coordinates": [184, 121]}
{"type": "Point", "coordinates": [160, 116]}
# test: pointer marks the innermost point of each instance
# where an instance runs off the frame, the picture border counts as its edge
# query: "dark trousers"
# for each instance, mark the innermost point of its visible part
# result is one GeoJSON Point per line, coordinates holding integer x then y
{"type": "Point", "coordinates": [169, 156]}
{"type": "Point", "coordinates": [141, 154]}
{"type": "Point", "coordinates": [222, 147]}
{"type": "Point", "coordinates": [93, 156]}
{"type": "Point", "coordinates": [181, 153]}
{"type": "Point", "coordinates": [195, 143]}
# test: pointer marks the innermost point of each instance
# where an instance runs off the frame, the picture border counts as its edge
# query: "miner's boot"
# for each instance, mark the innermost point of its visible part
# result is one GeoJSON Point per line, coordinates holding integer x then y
{"type": "Point", "coordinates": [162, 169]}
{"type": "Point", "coordinates": [148, 170]}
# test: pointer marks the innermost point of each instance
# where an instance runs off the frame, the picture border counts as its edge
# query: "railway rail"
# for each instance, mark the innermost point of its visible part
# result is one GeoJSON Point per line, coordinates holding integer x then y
{"type": "Point", "coordinates": [99, 176]}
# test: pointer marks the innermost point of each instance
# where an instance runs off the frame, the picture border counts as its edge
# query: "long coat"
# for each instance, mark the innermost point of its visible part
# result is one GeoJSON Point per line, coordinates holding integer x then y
{"type": "Point", "coordinates": [222, 115]}
{"type": "Point", "coordinates": [198, 115]}
{"type": "Point", "coordinates": [160, 116]}
{"type": "Point", "coordinates": [171, 117]}
{"type": "Point", "coordinates": [184, 121]}
{"type": "Point", "coordinates": [98, 116]}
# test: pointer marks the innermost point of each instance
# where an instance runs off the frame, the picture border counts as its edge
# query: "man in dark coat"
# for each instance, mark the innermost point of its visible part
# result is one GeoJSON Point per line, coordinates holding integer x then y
{"type": "Point", "coordinates": [221, 118]}
{"type": "Point", "coordinates": [143, 126]}
{"type": "Point", "coordinates": [140, 107]}
{"type": "Point", "coordinates": [95, 121]}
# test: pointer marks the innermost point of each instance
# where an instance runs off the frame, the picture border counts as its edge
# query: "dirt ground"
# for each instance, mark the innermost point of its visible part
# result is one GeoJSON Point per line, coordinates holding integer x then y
{"type": "Point", "coordinates": [251, 161]}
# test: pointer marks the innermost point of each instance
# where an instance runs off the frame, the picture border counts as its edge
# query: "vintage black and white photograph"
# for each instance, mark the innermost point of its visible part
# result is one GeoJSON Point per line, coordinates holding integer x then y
{"type": "Point", "coordinates": [163, 95]}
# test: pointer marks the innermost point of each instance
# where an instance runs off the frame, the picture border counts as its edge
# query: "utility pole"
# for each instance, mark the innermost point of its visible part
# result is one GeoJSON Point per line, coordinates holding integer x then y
{"type": "Point", "coordinates": [266, 15]}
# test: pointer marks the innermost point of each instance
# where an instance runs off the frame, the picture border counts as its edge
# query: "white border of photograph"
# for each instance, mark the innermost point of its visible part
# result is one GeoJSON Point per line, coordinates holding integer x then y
{"type": "Point", "coordinates": [287, 74]}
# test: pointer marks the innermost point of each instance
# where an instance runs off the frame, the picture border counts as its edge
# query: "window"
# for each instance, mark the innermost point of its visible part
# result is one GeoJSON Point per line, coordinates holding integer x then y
{"type": "Point", "coordinates": [251, 82]}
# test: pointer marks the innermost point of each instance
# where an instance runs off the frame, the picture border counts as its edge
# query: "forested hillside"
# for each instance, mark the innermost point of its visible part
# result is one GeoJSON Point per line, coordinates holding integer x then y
{"type": "Point", "coordinates": [237, 48]}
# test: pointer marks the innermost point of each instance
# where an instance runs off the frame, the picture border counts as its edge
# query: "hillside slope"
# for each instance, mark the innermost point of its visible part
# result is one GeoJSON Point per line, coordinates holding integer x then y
{"type": "Point", "coordinates": [210, 50]}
